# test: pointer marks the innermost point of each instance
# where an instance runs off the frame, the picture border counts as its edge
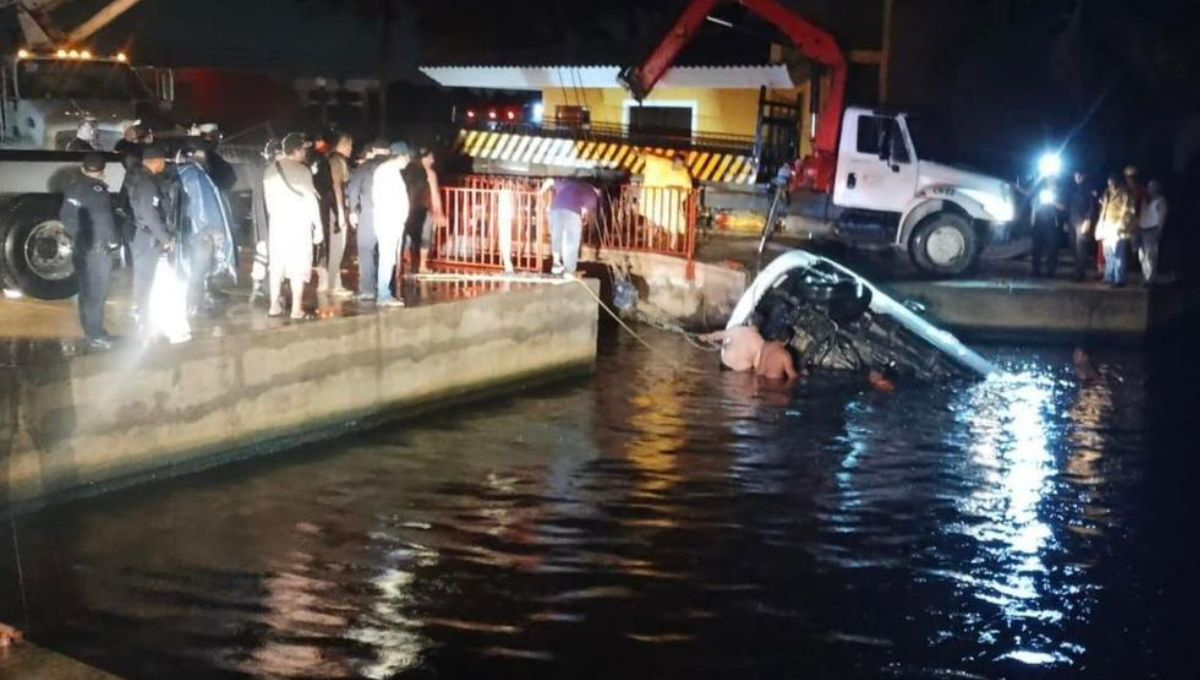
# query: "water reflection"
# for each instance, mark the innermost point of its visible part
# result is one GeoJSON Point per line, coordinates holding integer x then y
{"type": "Point", "coordinates": [647, 522]}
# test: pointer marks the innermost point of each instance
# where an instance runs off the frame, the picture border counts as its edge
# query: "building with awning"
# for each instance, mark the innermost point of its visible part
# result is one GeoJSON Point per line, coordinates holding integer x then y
{"type": "Point", "coordinates": [724, 116]}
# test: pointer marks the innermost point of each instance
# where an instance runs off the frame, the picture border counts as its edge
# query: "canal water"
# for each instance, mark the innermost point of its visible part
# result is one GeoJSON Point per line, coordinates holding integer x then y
{"type": "Point", "coordinates": [653, 522]}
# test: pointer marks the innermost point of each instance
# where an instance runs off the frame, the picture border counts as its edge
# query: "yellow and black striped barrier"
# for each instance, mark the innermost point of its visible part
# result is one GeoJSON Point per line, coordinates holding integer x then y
{"type": "Point", "coordinates": [705, 166]}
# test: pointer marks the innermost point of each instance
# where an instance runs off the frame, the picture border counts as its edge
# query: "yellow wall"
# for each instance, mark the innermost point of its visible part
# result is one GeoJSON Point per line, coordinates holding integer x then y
{"type": "Point", "coordinates": [722, 112]}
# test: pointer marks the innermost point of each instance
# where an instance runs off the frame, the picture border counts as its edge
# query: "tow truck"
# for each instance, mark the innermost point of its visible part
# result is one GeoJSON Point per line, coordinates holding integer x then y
{"type": "Point", "coordinates": [869, 181]}
{"type": "Point", "coordinates": [46, 89]}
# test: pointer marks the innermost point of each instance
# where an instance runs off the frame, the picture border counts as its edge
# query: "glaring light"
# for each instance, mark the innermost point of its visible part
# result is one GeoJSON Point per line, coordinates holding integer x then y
{"type": "Point", "coordinates": [492, 114]}
{"type": "Point", "coordinates": [539, 110]}
{"type": "Point", "coordinates": [85, 55]}
{"type": "Point", "coordinates": [1050, 164]}
{"type": "Point", "coordinates": [22, 54]}
{"type": "Point", "coordinates": [74, 54]}
{"type": "Point", "coordinates": [61, 54]}
{"type": "Point", "coordinates": [511, 115]}
{"type": "Point", "coordinates": [471, 115]}
{"type": "Point", "coordinates": [121, 56]}
{"type": "Point", "coordinates": [1047, 196]}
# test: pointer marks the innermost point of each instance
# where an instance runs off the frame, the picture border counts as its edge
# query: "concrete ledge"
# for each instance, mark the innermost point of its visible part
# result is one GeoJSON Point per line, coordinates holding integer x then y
{"type": "Point", "coordinates": [1051, 311]}
{"type": "Point", "coordinates": [705, 302]}
{"type": "Point", "coordinates": [102, 419]}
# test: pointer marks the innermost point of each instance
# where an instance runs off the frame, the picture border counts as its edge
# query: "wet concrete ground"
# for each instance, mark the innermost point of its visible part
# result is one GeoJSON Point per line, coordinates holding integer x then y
{"type": "Point", "coordinates": [46, 330]}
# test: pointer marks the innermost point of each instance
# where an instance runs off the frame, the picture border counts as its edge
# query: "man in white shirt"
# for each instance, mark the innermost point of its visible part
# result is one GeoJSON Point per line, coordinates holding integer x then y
{"type": "Point", "coordinates": [294, 210]}
{"type": "Point", "coordinates": [390, 196]}
{"type": "Point", "coordinates": [1150, 225]}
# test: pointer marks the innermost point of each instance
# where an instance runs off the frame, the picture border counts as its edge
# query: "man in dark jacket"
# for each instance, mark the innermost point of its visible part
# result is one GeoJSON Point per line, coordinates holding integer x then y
{"type": "Point", "coordinates": [360, 203]}
{"type": "Point", "coordinates": [1082, 202]}
{"type": "Point", "coordinates": [144, 186]}
{"type": "Point", "coordinates": [87, 215]}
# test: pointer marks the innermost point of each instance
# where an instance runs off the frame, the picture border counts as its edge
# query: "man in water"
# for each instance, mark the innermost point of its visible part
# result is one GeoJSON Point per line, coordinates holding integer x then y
{"type": "Point", "coordinates": [743, 350]}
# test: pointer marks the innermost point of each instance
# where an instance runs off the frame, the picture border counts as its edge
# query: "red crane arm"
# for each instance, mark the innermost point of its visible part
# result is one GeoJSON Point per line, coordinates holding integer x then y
{"type": "Point", "coordinates": [811, 40]}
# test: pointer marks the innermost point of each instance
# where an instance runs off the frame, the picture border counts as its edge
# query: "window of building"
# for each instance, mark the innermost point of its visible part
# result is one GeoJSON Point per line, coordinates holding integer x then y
{"type": "Point", "coordinates": [571, 115]}
{"type": "Point", "coordinates": [675, 121]}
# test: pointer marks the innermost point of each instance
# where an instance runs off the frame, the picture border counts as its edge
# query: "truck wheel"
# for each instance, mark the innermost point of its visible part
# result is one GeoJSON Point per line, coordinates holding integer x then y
{"type": "Point", "coordinates": [35, 251]}
{"type": "Point", "coordinates": [945, 244]}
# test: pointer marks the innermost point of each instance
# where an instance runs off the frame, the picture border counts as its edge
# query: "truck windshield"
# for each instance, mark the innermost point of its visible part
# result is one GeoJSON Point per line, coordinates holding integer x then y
{"type": "Point", "coordinates": [930, 140]}
{"type": "Point", "coordinates": [61, 79]}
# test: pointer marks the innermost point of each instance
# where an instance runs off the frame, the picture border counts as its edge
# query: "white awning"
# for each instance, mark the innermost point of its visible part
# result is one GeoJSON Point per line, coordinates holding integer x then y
{"type": "Point", "coordinates": [543, 77]}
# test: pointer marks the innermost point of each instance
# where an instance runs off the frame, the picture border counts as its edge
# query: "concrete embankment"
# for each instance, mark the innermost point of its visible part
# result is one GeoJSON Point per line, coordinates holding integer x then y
{"type": "Point", "coordinates": [92, 422]}
{"type": "Point", "coordinates": [1039, 310]}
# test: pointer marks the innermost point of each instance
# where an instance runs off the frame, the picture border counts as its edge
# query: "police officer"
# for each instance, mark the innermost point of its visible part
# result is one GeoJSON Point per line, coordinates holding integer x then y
{"type": "Point", "coordinates": [87, 214]}
{"type": "Point", "coordinates": [151, 234]}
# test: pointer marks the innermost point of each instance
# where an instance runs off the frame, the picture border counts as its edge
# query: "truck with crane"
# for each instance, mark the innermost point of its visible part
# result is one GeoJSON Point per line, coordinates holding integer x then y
{"type": "Point", "coordinates": [868, 179]}
{"type": "Point", "coordinates": [874, 178]}
{"type": "Point", "coordinates": [47, 87]}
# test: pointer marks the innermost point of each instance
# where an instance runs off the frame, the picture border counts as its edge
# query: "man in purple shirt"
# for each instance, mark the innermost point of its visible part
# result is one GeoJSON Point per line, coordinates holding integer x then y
{"type": "Point", "coordinates": [573, 203]}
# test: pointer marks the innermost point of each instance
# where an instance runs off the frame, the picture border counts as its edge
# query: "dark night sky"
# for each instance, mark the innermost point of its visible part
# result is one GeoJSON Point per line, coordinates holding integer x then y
{"type": "Point", "coordinates": [1008, 74]}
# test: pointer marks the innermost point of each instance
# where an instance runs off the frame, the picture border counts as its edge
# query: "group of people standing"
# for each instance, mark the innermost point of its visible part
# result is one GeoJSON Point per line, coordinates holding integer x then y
{"type": "Point", "coordinates": [1104, 229]}
{"type": "Point", "coordinates": [173, 221]}
{"type": "Point", "coordinates": [310, 200]}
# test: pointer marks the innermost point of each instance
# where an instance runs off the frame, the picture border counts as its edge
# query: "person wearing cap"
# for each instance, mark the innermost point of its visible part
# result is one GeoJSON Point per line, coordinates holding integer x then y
{"type": "Point", "coordinates": [390, 195]}
{"type": "Point", "coordinates": [206, 236]}
{"type": "Point", "coordinates": [152, 234]}
{"type": "Point", "coordinates": [87, 215]}
{"type": "Point", "coordinates": [294, 211]}
{"type": "Point", "coordinates": [361, 206]}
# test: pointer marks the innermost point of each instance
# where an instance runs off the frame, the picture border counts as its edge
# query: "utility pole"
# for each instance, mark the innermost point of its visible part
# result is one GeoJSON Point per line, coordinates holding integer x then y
{"type": "Point", "coordinates": [885, 59]}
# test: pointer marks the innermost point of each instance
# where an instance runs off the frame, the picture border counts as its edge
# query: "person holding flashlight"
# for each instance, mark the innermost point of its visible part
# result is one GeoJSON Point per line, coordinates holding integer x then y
{"type": "Point", "coordinates": [1047, 230]}
{"type": "Point", "coordinates": [1081, 202]}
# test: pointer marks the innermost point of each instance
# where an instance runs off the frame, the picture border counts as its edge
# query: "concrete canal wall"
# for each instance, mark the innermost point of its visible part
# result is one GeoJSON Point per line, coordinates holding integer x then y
{"type": "Point", "coordinates": [85, 423]}
{"type": "Point", "coordinates": [1050, 311]}
{"type": "Point", "coordinates": [704, 302]}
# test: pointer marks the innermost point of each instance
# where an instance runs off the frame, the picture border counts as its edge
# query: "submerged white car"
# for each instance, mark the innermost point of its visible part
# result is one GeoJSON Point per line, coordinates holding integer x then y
{"type": "Point", "coordinates": [836, 319]}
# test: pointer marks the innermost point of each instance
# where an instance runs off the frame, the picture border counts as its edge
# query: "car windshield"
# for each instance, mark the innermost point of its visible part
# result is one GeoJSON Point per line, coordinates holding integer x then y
{"type": "Point", "coordinates": [61, 79]}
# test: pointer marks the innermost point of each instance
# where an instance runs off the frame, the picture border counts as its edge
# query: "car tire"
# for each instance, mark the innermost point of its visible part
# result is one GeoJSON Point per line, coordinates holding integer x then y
{"type": "Point", "coordinates": [35, 251]}
{"type": "Point", "coordinates": [945, 244]}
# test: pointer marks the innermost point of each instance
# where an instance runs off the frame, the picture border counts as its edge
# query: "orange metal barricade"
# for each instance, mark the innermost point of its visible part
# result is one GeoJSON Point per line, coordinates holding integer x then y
{"type": "Point", "coordinates": [496, 227]}
{"type": "Point", "coordinates": [503, 223]}
{"type": "Point", "coordinates": [652, 219]}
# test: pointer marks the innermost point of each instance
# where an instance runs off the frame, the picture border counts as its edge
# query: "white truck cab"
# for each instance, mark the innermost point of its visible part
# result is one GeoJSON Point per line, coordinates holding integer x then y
{"type": "Point", "coordinates": [44, 95]}
{"type": "Point", "coordinates": [887, 193]}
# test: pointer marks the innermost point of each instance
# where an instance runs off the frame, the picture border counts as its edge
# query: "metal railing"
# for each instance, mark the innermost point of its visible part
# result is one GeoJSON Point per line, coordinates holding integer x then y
{"type": "Point", "coordinates": [503, 223]}
{"type": "Point", "coordinates": [660, 220]}
{"type": "Point", "coordinates": [496, 227]}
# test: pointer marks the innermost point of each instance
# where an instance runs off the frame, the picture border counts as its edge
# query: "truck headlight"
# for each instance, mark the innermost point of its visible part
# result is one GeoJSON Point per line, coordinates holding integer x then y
{"type": "Point", "coordinates": [1050, 164]}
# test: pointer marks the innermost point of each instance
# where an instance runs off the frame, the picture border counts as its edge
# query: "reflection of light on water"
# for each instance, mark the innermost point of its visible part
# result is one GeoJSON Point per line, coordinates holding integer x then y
{"type": "Point", "coordinates": [1006, 417]}
{"type": "Point", "coordinates": [386, 629]}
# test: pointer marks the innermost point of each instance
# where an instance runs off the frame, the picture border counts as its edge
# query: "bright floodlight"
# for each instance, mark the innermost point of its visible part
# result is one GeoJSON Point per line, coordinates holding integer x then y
{"type": "Point", "coordinates": [1047, 196]}
{"type": "Point", "coordinates": [1050, 164]}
